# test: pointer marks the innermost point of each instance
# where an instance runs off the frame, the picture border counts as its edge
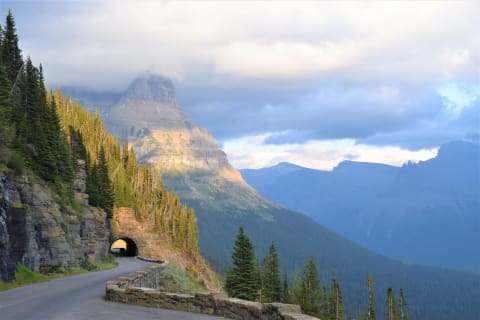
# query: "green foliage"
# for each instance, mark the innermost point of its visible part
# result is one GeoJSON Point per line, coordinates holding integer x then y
{"type": "Point", "coordinates": [176, 279]}
{"type": "Point", "coordinates": [285, 289]}
{"type": "Point", "coordinates": [271, 276]}
{"type": "Point", "coordinates": [370, 313]}
{"type": "Point", "coordinates": [307, 291]}
{"type": "Point", "coordinates": [6, 128]}
{"type": "Point", "coordinates": [16, 162]}
{"type": "Point", "coordinates": [10, 53]}
{"type": "Point", "coordinates": [402, 307]}
{"type": "Point", "coordinates": [115, 179]}
{"type": "Point", "coordinates": [25, 276]}
{"type": "Point", "coordinates": [88, 265]}
{"type": "Point", "coordinates": [335, 305]}
{"type": "Point", "coordinates": [28, 121]}
{"type": "Point", "coordinates": [99, 186]}
{"type": "Point", "coordinates": [241, 281]}
{"type": "Point", "coordinates": [391, 305]}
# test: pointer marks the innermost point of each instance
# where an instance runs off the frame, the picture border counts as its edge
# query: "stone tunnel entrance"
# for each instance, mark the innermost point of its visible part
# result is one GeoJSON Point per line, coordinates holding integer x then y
{"type": "Point", "coordinates": [125, 247]}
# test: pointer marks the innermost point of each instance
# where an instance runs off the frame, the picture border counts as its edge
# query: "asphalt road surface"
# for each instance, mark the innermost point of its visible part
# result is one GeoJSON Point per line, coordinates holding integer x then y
{"type": "Point", "coordinates": [81, 297]}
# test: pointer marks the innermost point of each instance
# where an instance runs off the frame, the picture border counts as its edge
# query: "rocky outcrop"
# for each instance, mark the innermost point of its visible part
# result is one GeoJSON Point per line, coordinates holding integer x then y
{"type": "Point", "coordinates": [80, 182]}
{"type": "Point", "coordinates": [36, 230]}
{"type": "Point", "coordinates": [125, 225]}
{"type": "Point", "coordinates": [7, 267]}
{"type": "Point", "coordinates": [142, 288]}
{"type": "Point", "coordinates": [149, 116]}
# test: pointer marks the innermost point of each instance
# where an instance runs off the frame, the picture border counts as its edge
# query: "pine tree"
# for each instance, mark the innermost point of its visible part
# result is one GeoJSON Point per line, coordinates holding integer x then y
{"type": "Point", "coordinates": [391, 305]}
{"type": "Point", "coordinates": [370, 315]}
{"type": "Point", "coordinates": [92, 186]}
{"type": "Point", "coordinates": [307, 290]}
{"type": "Point", "coordinates": [241, 281]}
{"type": "Point", "coordinates": [105, 185]}
{"type": "Point", "coordinates": [6, 130]}
{"type": "Point", "coordinates": [259, 279]}
{"type": "Point", "coordinates": [335, 308]}
{"type": "Point", "coordinates": [271, 275]}
{"type": "Point", "coordinates": [285, 289]}
{"type": "Point", "coordinates": [9, 51]}
{"type": "Point", "coordinates": [402, 306]}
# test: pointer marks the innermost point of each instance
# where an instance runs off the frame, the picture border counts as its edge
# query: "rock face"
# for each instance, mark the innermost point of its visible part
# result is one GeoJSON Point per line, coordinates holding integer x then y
{"type": "Point", "coordinates": [80, 182]}
{"type": "Point", "coordinates": [149, 116]}
{"type": "Point", "coordinates": [38, 232]}
{"type": "Point", "coordinates": [7, 268]}
{"type": "Point", "coordinates": [125, 225]}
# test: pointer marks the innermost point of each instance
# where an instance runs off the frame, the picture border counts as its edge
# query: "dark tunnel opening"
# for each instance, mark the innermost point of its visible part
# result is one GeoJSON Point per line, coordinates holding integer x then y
{"type": "Point", "coordinates": [124, 247]}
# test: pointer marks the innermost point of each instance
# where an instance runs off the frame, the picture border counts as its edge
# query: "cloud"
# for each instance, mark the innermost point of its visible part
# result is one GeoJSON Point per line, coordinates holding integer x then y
{"type": "Point", "coordinates": [294, 73]}
{"type": "Point", "coordinates": [329, 112]}
{"type": "Point", "coordinates": [252, 152]}
{"type": "Point", "coordinates": [458, 119]}
{"type": "Point", "coordinates": [103, 44]}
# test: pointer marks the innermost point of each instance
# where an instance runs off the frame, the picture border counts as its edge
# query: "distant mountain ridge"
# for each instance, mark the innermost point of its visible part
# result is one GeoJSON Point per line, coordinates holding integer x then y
{"type": "Point", "coordinates": [427, 213]}
{"type": "Point", "coordinates": [194, 167]}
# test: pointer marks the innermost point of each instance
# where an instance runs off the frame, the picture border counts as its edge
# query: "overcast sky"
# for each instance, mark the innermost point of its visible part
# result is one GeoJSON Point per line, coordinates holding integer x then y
{"type": "Point", "coordinates": [312, 83]}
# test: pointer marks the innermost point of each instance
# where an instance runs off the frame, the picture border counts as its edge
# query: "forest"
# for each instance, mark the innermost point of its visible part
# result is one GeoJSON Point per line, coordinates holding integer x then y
{"type": "Point", "coordinates": [44, 132]}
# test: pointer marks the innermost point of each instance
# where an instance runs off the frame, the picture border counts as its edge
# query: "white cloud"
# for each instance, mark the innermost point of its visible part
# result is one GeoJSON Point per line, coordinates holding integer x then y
{"type": "Point", "coordinates": [251, 152]}
{"type": "Point", "coordinates": [110, 41]}
{"type": "Point", "coordinates": [283, 59]}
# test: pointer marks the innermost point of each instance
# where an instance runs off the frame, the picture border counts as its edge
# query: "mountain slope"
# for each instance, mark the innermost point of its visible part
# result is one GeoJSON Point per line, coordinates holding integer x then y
{"type": "Point", "coordinates": [426, 213]}
{"type": "Point", "coordinates": [196, 169]}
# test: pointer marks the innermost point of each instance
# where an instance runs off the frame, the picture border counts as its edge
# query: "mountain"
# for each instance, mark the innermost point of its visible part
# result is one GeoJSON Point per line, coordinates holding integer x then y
{"type": "Point", "coordinates": [149, 115]}
{"type": "Point", "coordinates": [426, 213]}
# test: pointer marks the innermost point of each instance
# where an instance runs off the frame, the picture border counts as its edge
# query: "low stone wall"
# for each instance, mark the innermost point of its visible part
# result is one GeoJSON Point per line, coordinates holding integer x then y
{"type": "Point", "coordinates": [142, 288]}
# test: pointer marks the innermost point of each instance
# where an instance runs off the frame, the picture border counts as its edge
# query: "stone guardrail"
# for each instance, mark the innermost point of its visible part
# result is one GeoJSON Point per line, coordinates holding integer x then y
{"type": "Point", "coordinates": [142, 288]}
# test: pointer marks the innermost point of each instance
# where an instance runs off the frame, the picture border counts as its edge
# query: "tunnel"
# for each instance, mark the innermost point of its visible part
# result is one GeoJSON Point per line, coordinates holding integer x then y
{"type": "Point", "coordinates": [125, 247]}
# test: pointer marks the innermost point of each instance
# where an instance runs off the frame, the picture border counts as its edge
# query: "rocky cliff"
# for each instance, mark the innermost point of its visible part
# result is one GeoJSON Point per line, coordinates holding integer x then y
{"type": "Point", "coordinates": [149, 115]}
{"type": "Point", "coordinates": [42, 234]}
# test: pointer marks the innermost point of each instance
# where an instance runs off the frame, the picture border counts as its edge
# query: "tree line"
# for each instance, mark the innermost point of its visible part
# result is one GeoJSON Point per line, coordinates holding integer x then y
{"type": "Point", "coordinates": [250, 280]}
{"type": "Point", "coordinates": [30, 132]}
{"type": "Point", "coordinates": [46, 133]}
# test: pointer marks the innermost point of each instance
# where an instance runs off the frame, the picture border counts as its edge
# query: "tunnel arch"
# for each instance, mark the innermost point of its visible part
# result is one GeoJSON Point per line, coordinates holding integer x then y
{"type": "Point", "coordinates": [124, 247]}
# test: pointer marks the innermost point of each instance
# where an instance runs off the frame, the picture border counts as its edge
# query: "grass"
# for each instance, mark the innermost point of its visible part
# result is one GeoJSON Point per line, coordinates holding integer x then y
{"type": "Point", "coordinates": [25, 276]}
{"type": "Point", "coordinates": [175, 279]}
{"type": "Point", "coordinates": [4, 168]}
{"type": "Point", "coordinates": [17, 205]}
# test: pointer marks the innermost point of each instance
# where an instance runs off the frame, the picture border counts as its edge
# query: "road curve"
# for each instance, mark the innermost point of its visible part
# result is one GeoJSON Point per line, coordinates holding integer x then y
{"type": "Point", "coordinates": [81, 297]}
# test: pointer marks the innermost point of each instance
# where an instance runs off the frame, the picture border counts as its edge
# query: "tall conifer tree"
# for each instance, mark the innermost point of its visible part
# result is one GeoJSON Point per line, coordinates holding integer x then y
{"type": "Point", "coordinates": [391, 305]}
{"type": "Point", "coordinates": [285, 289]}
{"type": "Point", "coordinates": [10, 52]}
{"type": "Point", "coordinates": [370, 315]}
{"type": "Point", "coordinates": [241, 281]}
{"type": "Point", "coordinates": [307, 290]}
{"type": "Point", "coordinates": [335, 308]}
{"type": "Point", "coordinates": [271, 275]}
{"type": "Point", "coordinates": [402, 307]}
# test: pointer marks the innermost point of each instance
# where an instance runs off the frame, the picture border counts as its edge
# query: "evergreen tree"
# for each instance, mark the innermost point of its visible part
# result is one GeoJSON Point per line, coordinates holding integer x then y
{"type": "Point", "coordinates": [285, 289]}
{"type": "Point", "coordinates": [307, 290]}
{"type": "Point", "coordinates": [6, 130]}
{"type": "Point", "coordinates": [402, 306]}
{"type": "Point", "coordinates": [260, 281]}
{"type": "Point", "coordinates": [370, 315]}
{"type": "Point", "coordinates": [391, 305]}
{"type": "Point", "coordinates": [335, 308]}
{"type": "Point", "coordinates": [9, 51]}
{"type": "Point", "coordinates": [92, 186]}
{"type": "Point", "coordinates": [241, 281]}
{"type": "Point", "coordinates": [271, 275]}
{"type": "Point", "coordinates": [105, 185]}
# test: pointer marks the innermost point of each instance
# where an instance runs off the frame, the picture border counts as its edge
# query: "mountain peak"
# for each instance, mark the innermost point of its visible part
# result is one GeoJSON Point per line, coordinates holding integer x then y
{"type": "Point", "coordinates": [151, 87]}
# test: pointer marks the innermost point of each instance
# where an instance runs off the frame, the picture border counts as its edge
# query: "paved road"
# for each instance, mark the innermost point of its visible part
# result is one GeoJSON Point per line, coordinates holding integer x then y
{"type": "Point", "coordinates": [79, 298]}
